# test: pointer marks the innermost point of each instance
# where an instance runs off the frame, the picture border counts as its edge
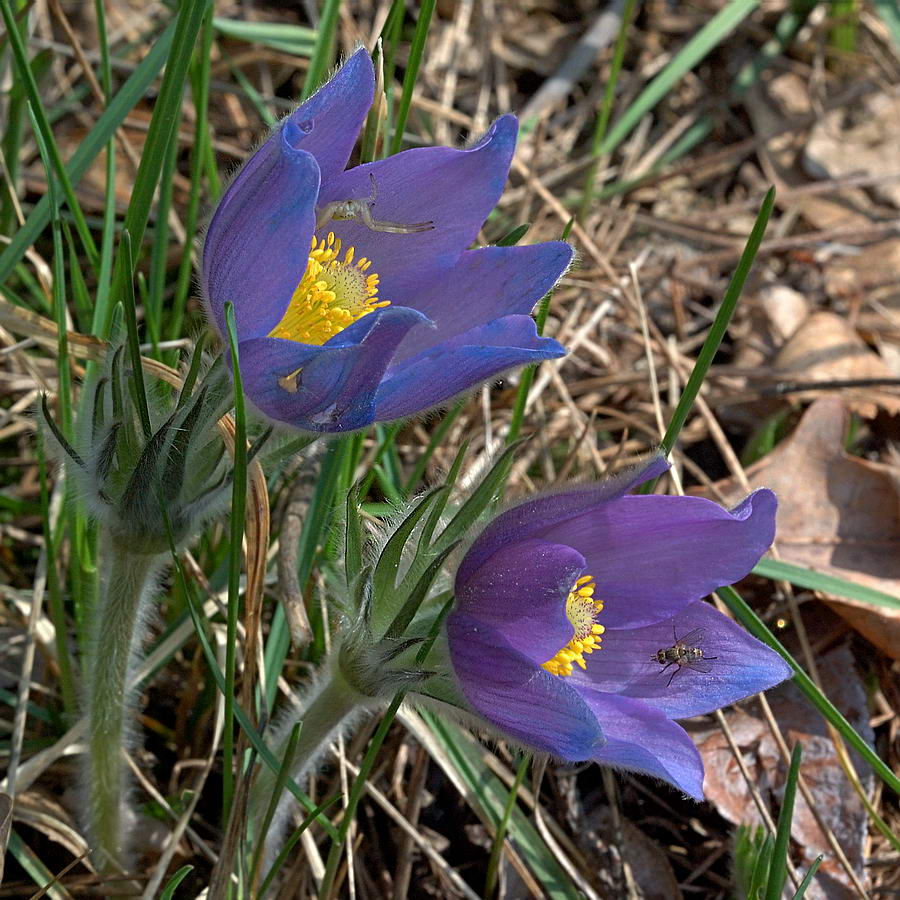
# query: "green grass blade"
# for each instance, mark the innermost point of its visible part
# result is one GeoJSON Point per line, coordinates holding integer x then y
{"type": "Point", "coordinates": [43, 129]}
{"type": "Point", "coordinates": [200, 78]}
{"type": "Point", "coordinates": [284, 771]}
{"type": "Point", "coordinates": [609, 96]}
{"type": "Point", "coordinates": [491, 797]}
{"type": "Point", "coordinates": [322, 57]}
{"type": "Point", "coordinates": [134, 345]}
{"type": "Point", "coordinates": [96, 139]}
{"type": "Point", "coordinates": [803, 887]}
{"type": "Point", "coordinates": [698, 47]}
{"type": "Point", "coordinates": [778, 866]}
{"type": "Point", "coordinates": [717, 330]}
{"type": "Point", "coordinates": [169, 890]}
{"type": "Point", "coordinates": [778, 570]}
{"type": "Point", "coordinates": [751, 621]}
{"type": "Point", "coordinates": [163, 125]}
{"type": "Point", "coordinates": [412, 72]}
{"type": "Point", "coordinates": [235, 541]}
{"type": "Point", "coordinates": [437, 438]}
{"type": "Point", "coordinates": [490, 881]}
{"type": "Point", "coordinates": [294, 39]}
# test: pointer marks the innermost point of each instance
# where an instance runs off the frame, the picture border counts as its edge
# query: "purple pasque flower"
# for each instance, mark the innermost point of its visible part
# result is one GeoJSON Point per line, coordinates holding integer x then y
{"type": "Point", "coordinates": [564, 604]}
{"type": "Point", "coordinates": [356, 298]}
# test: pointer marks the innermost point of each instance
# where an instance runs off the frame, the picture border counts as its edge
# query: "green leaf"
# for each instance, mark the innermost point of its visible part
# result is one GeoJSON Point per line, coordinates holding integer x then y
{"type": "Point", "coordinates": [778, 570]}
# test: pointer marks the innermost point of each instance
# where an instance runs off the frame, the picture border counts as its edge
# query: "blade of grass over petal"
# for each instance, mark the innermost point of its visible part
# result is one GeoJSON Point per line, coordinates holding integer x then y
{"type": "Point", "coordinates": [322, 57]}
{"type": "Point", "coordinates": [417, 48]}
{"type": "Point", "coordinates": [235, 539]}
{"type": "Point", "coordinates": [717, 331]}
{"type": "Point", "coordinates": [778, 865]}
{"type": "Point", "coordinates": [609, 96]}
{"type": "Point", "coordinates": [42, 127]}
{"type": "Point", "coordinates": [778, 570]}
{"type": "Point", "coordinates": [696, 49]}
{"type": "Point", "coordinates": [96, 139]}
{"type": "Point", "coordinates": [751, 621]}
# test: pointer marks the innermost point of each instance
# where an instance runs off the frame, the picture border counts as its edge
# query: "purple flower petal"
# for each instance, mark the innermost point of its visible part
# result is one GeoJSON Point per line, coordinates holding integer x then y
{"type": "Point", "coordinates": [735, 664]}
{"type": "Point", "coordinates": [435, 376]}
{"type": "Point", "coordinates": [521, 592]}
{"type": "Point", "coordinates": [653, 555]}
{"type": "Point", "coordinates": [454, 189]}
{"type": "Point", "coordinates": [328, 123]}
{"type": "Point", "coordinates": [484, 284]}
{"type": "Point", "coordinates": [336, 384]}
{"type": "Point", "coordinates": [642, 739]}
{"type": "Point", "coordinates": [537, 516]}
{"type": "Point", "coordinates": [522, 700]}
{"type": "Point", "coordinates": [257, 245]}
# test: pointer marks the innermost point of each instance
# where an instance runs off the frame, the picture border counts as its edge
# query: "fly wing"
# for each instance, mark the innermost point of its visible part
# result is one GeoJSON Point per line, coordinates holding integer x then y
{"type": "Point", "coordinates": [699, 665]}
{"type": "Point", "coordinates": [691, 639]}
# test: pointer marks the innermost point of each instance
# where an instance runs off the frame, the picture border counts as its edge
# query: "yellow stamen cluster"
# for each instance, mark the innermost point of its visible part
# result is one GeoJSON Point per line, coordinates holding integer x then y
{"type": "Point", "coordinates": [581, 610]}
{"type": "Point", "coordinates": [332, 294]}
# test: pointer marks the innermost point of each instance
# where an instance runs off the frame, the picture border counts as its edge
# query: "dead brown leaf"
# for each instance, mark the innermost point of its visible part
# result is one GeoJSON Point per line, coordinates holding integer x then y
{"type": "Point", "coordinates": [836, 801]}
{"type": "Point", "coordinates": [826, 347]}
{"type": "Point", "coordinates": [837, 514]}
{"type": "Point", "coordinates": [871, 145]}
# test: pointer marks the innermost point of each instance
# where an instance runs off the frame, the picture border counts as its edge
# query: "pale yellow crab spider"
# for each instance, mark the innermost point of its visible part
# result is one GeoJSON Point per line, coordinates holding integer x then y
{"type": "Point", "coordinates": [361, 210]}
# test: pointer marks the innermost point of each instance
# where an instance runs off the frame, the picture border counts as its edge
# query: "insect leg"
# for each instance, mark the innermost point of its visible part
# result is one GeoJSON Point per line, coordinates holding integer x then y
{"type": "Point", "coordinates": [365, 215]}
{"type": "Point", "coordinates": [672, 676]}
{"type": "Point", "coordinates": [327, 212]}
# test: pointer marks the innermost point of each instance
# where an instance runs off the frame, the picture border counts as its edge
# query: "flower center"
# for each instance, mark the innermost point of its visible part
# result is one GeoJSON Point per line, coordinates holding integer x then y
{"type": "Point", "coordinates": [332, 294]}
{"type": "Point", "coordinates": [581, 610]}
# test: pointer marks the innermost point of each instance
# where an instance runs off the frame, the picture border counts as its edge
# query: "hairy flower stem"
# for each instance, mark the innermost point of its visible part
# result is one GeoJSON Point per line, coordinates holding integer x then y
{"type": "Point", "coordinates": [331, 707]}
{"type": "Point", "coordinates": [114, 645]}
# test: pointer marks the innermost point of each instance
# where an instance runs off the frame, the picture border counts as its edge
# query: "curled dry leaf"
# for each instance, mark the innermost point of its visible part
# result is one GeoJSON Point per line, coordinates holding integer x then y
{"type": "Point", "coordinates": [837, 514]}
{"type": "Point", "coordinates": [836, 801]}
{"type": "Point", "coordinates": [825, 347]}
